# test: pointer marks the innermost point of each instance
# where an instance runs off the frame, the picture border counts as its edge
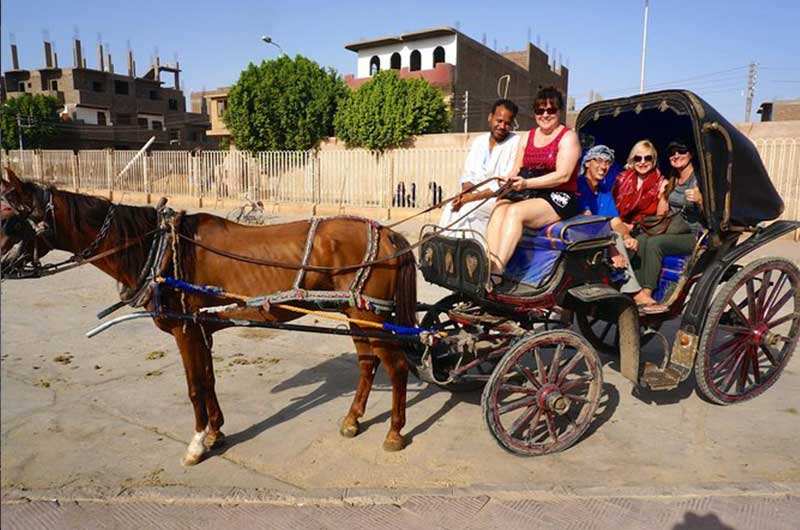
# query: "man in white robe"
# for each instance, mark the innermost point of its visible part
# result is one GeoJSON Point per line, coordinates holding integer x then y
{"type": "Point", "coordinates": [491, 155]}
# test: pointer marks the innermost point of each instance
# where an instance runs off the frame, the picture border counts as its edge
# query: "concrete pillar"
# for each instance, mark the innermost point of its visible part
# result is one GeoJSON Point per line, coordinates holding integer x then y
{"type": "Point", "coordinates": [77, 54]}
{"type": "Point", "coordinates": [101, 65]}
{"type": "Point", "coordinates": [48, 55]}
{"type": "Point", "coordinates": [14, 57]}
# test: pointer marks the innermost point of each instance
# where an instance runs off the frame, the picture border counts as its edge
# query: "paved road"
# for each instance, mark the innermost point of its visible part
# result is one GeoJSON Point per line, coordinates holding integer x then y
{"type": "Point", "coordinates": [109, 417]}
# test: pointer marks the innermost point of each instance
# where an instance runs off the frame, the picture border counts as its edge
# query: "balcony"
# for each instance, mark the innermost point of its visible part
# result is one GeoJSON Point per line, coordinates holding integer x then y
{"type": "Point", "coordinates": [440, 76]}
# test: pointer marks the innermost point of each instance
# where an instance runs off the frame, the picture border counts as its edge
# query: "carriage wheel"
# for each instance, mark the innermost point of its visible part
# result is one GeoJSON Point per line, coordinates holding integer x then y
{"type": "Point", "coordinates": [750, 333]}
{"type": "Point", "coordinates": [437, 317]}
{"type": "Point", "coordinates": [543, 394]}
{"type": "Point", "coordinates": [604, 335]}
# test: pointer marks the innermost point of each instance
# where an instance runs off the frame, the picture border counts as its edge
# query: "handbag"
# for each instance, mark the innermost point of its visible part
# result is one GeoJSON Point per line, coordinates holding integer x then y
{"type": "Point", "coordinates": [673, 223]}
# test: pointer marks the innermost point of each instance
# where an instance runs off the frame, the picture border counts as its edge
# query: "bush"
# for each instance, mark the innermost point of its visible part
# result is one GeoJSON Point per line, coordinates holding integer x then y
{"type": "Point", "coordinates": [389, 110]}
{"type": "Point", "coordinates": [283, 104]}
{"type": "Point", "coordinates": [39, 116]}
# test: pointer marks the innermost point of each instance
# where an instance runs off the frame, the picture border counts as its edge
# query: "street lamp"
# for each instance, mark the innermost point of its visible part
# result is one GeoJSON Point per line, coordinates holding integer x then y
{"type": "Point", "coordinates": [269, 40]}
{"type": "Point", "coordinates": [644, 47]}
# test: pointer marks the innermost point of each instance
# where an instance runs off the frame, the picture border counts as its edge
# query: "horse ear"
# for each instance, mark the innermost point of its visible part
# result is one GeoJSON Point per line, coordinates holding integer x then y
{"type": "Point", "coordinates": [13, 180]}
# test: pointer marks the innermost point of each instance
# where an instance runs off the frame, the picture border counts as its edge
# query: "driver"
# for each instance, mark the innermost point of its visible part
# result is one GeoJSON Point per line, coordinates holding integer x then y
{"type": "Point", "coordinates": [490, 155]}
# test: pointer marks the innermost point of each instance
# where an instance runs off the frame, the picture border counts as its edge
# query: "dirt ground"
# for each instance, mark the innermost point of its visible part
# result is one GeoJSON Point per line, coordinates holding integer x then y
{"type": "Point", "coordinates": [111, 415]}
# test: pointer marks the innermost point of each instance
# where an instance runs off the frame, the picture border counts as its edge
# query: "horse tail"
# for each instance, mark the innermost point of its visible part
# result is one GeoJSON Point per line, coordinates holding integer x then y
{"type": "Point", "coordinates": [405, 293]}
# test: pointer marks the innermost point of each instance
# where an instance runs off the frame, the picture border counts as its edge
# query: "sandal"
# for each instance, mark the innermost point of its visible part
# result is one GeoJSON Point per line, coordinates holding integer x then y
{"type": "Point", "coordinates": [652, 309]}
{"type": "Point", "coordinates": [496, 279]}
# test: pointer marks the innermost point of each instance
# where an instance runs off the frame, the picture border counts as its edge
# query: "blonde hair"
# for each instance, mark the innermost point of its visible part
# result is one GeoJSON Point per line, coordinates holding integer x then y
{"type": "Point", "coordinates": [642, 143]}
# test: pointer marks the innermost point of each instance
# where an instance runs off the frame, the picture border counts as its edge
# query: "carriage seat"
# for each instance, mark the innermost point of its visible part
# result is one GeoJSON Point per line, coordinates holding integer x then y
{"type": "Point", "coordinates": [539, 250]}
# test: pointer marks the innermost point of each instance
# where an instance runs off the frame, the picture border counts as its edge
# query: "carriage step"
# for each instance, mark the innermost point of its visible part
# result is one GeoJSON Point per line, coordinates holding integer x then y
{"type": "Point", "coordinates": [657, 379]}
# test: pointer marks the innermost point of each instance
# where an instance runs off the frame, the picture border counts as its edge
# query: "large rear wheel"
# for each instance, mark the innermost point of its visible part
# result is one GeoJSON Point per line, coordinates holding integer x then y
{"type": "Point", "coordinates": [750, 333]}
{"type": "Point", "coordinates": [544, 393]}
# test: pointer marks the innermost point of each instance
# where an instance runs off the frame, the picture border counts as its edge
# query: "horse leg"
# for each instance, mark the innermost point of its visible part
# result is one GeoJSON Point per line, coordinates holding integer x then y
{"type": "Point", "coordinates": [368, 364]}
{"type": "Point", "coordinates": [215, 436]}
{"type": "Point", "coordinates": [191, 344]}
{"type": "Point", "coordinates": [394, 360]}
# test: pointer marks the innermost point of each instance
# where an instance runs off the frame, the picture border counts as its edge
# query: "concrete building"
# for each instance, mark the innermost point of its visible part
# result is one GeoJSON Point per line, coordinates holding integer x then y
{"type": "Point", "coordinates": [780, 110]}
{"type": "Point", "coordinates": [469, 74]}
{"type": "Point", "coordinates": [212, 104]}
{"type": "Point", "coordinates": [101, 108]}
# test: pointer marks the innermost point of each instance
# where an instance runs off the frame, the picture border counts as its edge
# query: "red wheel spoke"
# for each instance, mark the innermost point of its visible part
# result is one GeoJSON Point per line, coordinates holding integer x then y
{"type": "Point", "coordinates": [751, 300]}
{"type": "Point", "coordinates": [762, 292]}
{"type": "Point", "coordinates": [745, 368]}
{"type": "Point", "coordinates": [517, 389]}
{"type": "Point", "coordinates": [530, 376]}
{"type": "Point", "coordinates": [534, 424]}
{"type": "Point", "coordinates": [756, 367]}
{"type": "Point", "coordinates": [540, 365]}
{"type": "Point", "coordinates": [735, 340]}
{"type": "Point", "coordinates": [518, 427]}
{"type": "Point", "coordinates": [731, 354]}
{"type": "Point", "coordinates": [784, 318]}
{"type": "Point", "coordinates": [775, 291]}
{"type": "Point", "coordinates": [569, 367]}
{"type": "Point", "coordinates": [733, 305]}
{"type": "Point", "coordinates": [726, 384]}
{"type": "Point", "coordinates": [551, 428]}
{"type": "Point", "coordinates": [769, 354]}
{"type": "Point", "coordinates": [731, 357]}
{"type": "Point", "coordinates": [553, 375]}
{"type": "Point", "coordinates": [573, 383]}
{"type": "Point", "coordinates": [779, 304]}
{"type": "Point", "coordinates": [527, 401]}
{"type": "Point", "coordinates": [733, 329]}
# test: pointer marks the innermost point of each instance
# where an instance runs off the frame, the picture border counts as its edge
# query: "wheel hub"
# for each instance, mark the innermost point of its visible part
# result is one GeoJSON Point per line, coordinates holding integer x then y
{"type": "Point", "coordinates": [550, 398]}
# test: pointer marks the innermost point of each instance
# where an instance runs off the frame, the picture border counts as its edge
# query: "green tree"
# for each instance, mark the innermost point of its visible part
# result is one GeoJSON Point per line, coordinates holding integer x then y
{"type": "Point", "coordinates": [283, 104]}
{"type": "Point", "coordinates": [38, 115]}
{"type": "Point", "coordinates": [389, 110]}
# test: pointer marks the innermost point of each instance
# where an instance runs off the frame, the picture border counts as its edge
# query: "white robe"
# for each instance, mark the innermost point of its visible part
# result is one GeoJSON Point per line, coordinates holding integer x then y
{"type": "Point", "coordinates": [481, 164]}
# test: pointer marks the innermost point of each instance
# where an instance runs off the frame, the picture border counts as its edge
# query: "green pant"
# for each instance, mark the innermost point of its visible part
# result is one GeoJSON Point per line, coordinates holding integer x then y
{"type": "Point", "coordinates": [652, 249]}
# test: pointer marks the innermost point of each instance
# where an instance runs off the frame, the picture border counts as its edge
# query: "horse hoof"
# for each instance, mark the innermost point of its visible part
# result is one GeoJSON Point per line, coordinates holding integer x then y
{"type": "Point", "coordinates": [349, 430]}
{"type": "Point", "coordinates": [392, 444]}
{"type": "Point", "coordinates": [214, 440]}
{"type": "Point", "coordinates": [191, 459]}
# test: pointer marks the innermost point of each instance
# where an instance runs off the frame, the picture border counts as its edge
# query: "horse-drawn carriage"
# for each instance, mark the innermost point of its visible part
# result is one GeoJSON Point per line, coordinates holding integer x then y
{"type": "Point", "coordinates": [738, 324]}
{"type": "Point", "coordinates": [197, 274]}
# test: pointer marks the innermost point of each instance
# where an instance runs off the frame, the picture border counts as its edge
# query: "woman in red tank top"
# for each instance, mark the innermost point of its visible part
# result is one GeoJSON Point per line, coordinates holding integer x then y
{"type": "Point", "coordinates": [544, 180]}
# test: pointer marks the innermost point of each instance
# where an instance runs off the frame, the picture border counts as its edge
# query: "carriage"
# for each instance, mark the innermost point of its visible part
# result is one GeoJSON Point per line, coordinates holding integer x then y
{"type": "Point", "coordinates": [543, 383]}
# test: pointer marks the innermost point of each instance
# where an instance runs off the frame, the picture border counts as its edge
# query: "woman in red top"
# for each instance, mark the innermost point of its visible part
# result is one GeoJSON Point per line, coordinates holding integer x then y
{"type": "Point", "coordinates": [636, 189]}
{"type": "Point", "coordinates": [549, 154]}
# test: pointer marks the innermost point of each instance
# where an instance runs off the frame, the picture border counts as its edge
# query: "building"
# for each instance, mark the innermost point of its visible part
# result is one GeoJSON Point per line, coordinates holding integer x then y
{"type": "Point", "coordinates": [469, 74]}
{"type": "Point", "coordinates": [212, 105]}
{"type": "Point", "coordinates": [101, 108]}
{"type": "Point", "coordinates": [780, 110]}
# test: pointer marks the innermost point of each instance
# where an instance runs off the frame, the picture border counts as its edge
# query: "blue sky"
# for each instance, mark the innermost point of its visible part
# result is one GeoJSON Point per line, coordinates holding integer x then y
{"type": "Point", "coordinates": [709, 43]}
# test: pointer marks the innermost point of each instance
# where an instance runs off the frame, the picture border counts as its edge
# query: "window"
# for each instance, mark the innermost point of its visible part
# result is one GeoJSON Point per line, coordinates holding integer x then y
{"type": "Point", "coordinates": [157, 125]}
{"type": "Point", "coordinates": [173, 104]}
{"type": "Point", "coordinates": [374, 65]}
{"type": "Point", "coordinates": [395, 61]}
{"type": "Point", "coordinates": [154, 94]}
{"type": "Point", "coordinates": [222, 105]}
{"type": "Point", "coordinates": [101, 118]}
{"type": "Point", "coordinates": [54, 85]}
{"type": "Point", "coordinates": [97, 86]}
{"type": "Point", "coordinates": [416, 61]}
{"type": "Point", "coordinates": [438, 55]}
{"type": "Point", "coordinates": [22, 86]}
{"type": "Point", "coordinates": [121, 88]}
{"type": "Point", "coordinates": [141, 122]}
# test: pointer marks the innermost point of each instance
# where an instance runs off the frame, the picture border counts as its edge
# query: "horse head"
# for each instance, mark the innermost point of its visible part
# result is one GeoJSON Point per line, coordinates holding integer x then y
{"type": "Point", "coordinates": [23, 217]}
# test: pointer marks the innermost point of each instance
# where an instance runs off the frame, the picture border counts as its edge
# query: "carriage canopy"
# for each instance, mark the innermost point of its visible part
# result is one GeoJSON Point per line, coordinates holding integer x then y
{"type": "Point", "coordinates": [732, 178]}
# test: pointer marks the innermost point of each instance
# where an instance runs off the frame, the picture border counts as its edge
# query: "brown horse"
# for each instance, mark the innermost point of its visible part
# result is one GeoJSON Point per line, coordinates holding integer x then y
{"type": "Point", "coordinates": [72, 222]}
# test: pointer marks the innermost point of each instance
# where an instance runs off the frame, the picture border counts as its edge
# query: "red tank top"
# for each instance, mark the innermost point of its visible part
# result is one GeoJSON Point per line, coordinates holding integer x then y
{"type": "Point", "coordinates": [542, 160]}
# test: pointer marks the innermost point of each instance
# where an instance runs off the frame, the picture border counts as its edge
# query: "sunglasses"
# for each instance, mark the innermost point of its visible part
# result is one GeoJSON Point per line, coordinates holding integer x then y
{"type": "Point", "coordinates": [548, 110]}
{"type": "Point", "coordinates": [678, 152]}
{"type": "Point", "coordinates": [646, 158]}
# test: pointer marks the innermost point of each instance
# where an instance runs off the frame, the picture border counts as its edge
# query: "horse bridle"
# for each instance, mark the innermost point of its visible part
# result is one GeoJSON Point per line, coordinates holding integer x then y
{"type": "Point", "coordinates": [30, 225]}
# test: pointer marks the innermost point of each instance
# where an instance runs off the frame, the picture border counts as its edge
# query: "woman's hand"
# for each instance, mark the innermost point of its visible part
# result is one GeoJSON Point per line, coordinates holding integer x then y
{"type": "Point", "coordinates": [518, 183]}
{"type": "Point", "coordinates": [619, 261]}
{"type": "Point", "coordinates": [631, 244]}
{"type": "Point", "coordinates": [693, 195]}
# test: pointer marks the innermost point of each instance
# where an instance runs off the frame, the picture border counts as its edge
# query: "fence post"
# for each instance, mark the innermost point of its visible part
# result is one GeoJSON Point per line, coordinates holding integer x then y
{"type": "Point", "coordinates": [110, 172]}
{"type": "Point", "coordinates": [146, 176]}
{"type": "Point", "coordinates": [38, 165]}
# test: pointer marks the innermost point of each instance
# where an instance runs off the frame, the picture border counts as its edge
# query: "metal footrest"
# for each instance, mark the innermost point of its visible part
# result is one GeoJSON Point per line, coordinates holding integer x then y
{"type": "Point", "coordinates": [656, 378]}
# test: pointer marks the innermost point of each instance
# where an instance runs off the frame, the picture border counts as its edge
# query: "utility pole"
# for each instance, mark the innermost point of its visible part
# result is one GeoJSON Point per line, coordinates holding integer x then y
{"type": "Point", "coordinates": [752, 75]}
{"type": "Point", "coordinates": [466, 111]}
{"type": "Point", "coordinates": [19, 131]}
{"type": "Point", "coordinates": [644, 47]}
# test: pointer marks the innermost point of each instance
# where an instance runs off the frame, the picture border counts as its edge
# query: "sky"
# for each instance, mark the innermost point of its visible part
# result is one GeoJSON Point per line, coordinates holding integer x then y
{"type": "Point", "coordinates": [702, 45]}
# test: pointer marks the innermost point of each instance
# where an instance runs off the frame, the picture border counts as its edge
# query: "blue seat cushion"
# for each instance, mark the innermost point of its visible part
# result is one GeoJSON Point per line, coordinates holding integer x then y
{"type": "Point", "coordinates": [539, 250]}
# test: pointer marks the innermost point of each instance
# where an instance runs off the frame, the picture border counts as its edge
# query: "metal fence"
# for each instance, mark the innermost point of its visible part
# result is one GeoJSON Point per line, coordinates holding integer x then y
{"type": "Point", "coordinates": [414, 178]}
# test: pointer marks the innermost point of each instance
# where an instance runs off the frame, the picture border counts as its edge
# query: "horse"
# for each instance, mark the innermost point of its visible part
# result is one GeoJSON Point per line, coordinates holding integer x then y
{"type": "Point", "coordinates": [209, 250]}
